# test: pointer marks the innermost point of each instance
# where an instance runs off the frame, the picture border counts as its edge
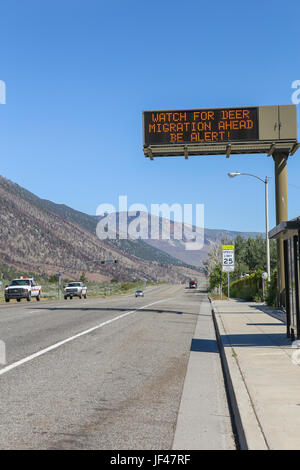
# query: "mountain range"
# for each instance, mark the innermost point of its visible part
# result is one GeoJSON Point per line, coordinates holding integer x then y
{"type": "Point", "coordinates": [41, 236]}
{"type": "Point", "coordinates": [167, 242]}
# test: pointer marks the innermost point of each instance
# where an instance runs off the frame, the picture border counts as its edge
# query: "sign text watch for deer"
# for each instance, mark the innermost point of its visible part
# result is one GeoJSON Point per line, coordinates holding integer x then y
{"type": "Point", "coordinates": [206, 125]}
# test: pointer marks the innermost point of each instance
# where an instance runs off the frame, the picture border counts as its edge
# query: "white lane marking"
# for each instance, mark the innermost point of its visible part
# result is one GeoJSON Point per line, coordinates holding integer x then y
{"type": "Point", "coordinates": [71, 338]}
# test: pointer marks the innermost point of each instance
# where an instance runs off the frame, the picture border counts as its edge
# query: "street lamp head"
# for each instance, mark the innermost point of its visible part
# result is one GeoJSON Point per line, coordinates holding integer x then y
{"type": "Point", "coordinates": [232, 175]}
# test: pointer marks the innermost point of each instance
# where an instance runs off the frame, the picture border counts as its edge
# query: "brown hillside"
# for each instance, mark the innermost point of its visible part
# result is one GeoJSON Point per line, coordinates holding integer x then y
{"type": "Point", "coordinates": [36, 238]}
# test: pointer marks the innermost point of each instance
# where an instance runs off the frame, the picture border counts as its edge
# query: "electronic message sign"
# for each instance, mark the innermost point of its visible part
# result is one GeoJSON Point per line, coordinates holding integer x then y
{"type": "Point", "coordinates": [260, 129]}
{"type": "Point", "coordinates": [200, 125]}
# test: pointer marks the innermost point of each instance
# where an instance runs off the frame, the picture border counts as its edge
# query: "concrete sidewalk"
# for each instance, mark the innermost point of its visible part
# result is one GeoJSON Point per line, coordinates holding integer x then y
{"type": "Point", "coordinates": [264, 371]}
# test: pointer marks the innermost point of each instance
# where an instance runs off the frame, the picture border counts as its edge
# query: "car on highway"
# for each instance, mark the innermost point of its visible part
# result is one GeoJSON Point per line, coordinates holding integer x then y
{"type": "Point", "coordinates": [192, 284]}
{"type": "Point", "coordinates": [22, 288]}
{"type": "Point", "coordinates": [75, 289]}
{"type": "Point", "coordinates": [139, 293]}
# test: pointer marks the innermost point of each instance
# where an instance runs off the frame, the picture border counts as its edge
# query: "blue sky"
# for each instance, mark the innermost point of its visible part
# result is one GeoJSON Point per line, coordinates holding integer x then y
{"type": "Point", "coordinates": [80, 73]}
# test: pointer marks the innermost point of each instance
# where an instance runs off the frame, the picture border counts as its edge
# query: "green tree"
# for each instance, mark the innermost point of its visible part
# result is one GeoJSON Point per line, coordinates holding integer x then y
{"type": "Point", "coordinates": [53, 279]}
{"type": "Point", "coordinates": [252, 253]}
{"type": "Point", "coordinates": [213, 265]}
{"type": "Point", "coordinates": [217, 277]}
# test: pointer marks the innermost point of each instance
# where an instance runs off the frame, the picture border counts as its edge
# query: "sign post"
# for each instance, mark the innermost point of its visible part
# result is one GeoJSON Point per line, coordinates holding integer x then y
{"type": "Point", "coordinates": [228, 262]}
{"type": "Point", "coordinates": [264, 277]}
{"type": "Point", "coordinates": [228, 288]}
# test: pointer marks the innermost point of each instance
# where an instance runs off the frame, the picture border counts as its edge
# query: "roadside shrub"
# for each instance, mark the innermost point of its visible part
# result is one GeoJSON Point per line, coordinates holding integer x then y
{"type": "Point", "coordinates": [126, 285]}
{"type": "Point", "coordinates": [248, 288]}
{"type": "Point", "coordinates": [272, 289]}
{"type": "Point", "coordinates": [259, 297]}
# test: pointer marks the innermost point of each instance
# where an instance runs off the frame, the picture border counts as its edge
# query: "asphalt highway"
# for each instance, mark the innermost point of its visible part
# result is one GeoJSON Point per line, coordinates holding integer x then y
{"type": "Point", "coordinates": [103, 373]}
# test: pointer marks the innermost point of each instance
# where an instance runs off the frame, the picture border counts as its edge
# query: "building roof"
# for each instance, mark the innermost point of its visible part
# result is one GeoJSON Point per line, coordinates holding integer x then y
{"type": "Point", "coordinates": [286, 229]}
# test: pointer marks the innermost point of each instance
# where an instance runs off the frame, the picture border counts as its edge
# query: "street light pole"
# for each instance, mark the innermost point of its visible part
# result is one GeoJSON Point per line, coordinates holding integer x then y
{"type": "Point", "coordinates": [267, 228]}
{"type": "Point", "coordinates": [266, 182]}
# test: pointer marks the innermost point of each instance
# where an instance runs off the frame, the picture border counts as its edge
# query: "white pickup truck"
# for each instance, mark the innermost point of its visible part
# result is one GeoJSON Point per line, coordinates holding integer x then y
{"type": "Point", "coordinates": [22, 288]}
{"type": "Point", "coordinates": [75, 289]}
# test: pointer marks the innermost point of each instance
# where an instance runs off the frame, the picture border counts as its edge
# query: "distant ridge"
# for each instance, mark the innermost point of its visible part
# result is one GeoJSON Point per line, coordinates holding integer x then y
{"type": "Point", "coordinates": [41, 236]}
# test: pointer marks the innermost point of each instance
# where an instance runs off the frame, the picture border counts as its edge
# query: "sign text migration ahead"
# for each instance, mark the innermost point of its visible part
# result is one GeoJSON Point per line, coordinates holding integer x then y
{"type": "Point", "coordinates": [200, 126]}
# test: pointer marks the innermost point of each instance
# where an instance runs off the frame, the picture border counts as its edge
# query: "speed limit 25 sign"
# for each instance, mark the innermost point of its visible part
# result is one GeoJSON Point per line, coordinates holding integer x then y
{"type": "Point", "coordinates": [228, 258]}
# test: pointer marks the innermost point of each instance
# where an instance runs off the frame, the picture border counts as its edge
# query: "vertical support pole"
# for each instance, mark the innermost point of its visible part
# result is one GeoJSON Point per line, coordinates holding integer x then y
{"type": "Point", "coordinates": [59, 286]}
{"type": "Point", "coordinates": [228, 293]}
{"type": "Point", "coordinates": [287, 295]}
{"type": "Point", "coordinates": [295, 267]}
{"type": "Point", "coordinates": [280, 160]}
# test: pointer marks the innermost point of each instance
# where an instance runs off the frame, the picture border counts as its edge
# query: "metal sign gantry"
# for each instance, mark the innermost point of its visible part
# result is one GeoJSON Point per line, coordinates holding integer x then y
{"type": "Point", "coordinates": [270, 130]}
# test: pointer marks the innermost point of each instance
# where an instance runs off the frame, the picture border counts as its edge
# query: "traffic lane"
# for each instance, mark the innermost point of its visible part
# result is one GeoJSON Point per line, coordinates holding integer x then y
{"type": "Point", "coordinates": [31, 330]}
{"type": "Point", "coordinates": [17, 312]}
{"type": "Point", "coordinates": [116, 388]}
{"type": "Point", "coordinates": [7, 309]}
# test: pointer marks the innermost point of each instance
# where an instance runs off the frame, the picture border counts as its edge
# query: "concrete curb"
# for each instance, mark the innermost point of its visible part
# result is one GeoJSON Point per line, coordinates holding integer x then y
{"type": "Point", "coordinates": [245, 423]}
